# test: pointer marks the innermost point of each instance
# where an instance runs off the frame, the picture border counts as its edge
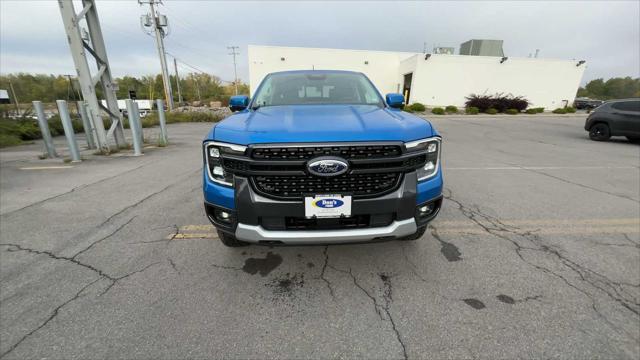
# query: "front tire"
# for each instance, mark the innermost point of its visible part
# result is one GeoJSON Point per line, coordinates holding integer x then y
{"type": "Point", "coordinates": [230, 240]}
{"type": "Point", "coordinates": [634, 139]}
{"type": "Point", "coordinates": [599, 132]}
{"type": "Point", "coordinates": [415, 236]}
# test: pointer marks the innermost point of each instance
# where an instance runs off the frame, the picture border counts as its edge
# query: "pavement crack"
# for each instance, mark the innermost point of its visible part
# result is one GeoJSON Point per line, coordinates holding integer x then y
{"type": "Point", "coordinates": [16, 247]}
{"type": "Point", "coordinates": [380, 309]}
{"type": "Point", "coordinates": [599, 282]}
{"type": "Point", "coordinates": [114, 281]}
{"type": "Point", "coordinates": [412, 265]}
{"type": "Point", "coordinates": [387, 296]}
{"type": "Point", "coordinates": [53, 315]}
{"type": "Point", "coordinates": [324, 268]}
{"type": "Point", "coordinates": [131, 206]}
{"type": "Point", "coordinates": [173, 265]}
{"type": "Point", "coordinates": [104, 238]}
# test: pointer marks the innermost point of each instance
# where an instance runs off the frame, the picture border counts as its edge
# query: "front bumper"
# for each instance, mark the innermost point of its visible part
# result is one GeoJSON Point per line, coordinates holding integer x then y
{"type": "Point", "coordinates": [258, 219]}
{"type": "Point", "coordinates": [257, 234]}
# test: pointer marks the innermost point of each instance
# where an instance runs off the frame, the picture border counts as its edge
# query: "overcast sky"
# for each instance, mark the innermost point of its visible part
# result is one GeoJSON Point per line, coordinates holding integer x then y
{"type": "Point", "coordinates": [606, 34]}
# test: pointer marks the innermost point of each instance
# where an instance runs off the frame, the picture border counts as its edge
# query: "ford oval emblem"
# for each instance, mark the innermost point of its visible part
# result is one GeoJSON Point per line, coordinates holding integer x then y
{"type": "Point", "coordinates": [328, 203]}
{"type": "Point", "coordinates": [327, 166]}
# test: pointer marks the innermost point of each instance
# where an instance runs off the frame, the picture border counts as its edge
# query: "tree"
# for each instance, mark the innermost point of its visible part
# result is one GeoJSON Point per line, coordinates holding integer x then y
{"type": "Point", "coordinates": [614, 88]}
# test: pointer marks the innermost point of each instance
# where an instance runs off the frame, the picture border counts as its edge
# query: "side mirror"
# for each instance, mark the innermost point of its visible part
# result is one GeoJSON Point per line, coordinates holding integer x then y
{"type": "Point", "coordinates": [238, 102]}
{"type": "Point", "coordinates": [395, 100]}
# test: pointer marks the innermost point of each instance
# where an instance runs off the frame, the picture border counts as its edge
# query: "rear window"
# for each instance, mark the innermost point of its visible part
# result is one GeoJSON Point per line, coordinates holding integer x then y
{"type": "Point", "coordinates": [627, 106]}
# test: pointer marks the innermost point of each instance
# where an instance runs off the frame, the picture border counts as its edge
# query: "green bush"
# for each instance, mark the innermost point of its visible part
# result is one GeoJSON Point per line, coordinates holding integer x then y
{"type": "Point", "coordinates": [539, 109]}
{"type": "Point", "coordinates": [511, 111]}
{"type": "Point", "coordinates": [491, 111]}
{"type": "Point", "coordinates": [437, 111]}
{"type": "Point", "coordinates": [9, 140]}
{"type": "Point", "coordinates": [451, 109]}
{"type": "Point", "coordinates": [570, 109]}
{"type": "Point", "coordinates": [560, 111]}
{"type": "Point", "coordinates": [418, 107]}
{"type": "Point", "coordinates": [407, 109]}
{"type": "Point", "coordinates": [531, 111]}
{"type": "Point", "coordinates": [472, 110]}
{"type": "Point", "coordinates": [13, 132]}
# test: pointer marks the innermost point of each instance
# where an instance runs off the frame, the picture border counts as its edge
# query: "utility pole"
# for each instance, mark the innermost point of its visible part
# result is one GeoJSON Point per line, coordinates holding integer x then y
{"type": "Point", "coordinates": [158, 22]}
{"type": "Point", "coordinates": [235, 69]}
{"type": "Point", "coordinates": [97, 50]}
{"type": "Point", "coordinates": [175, 66]}
{"type": "Point", "coordinates": [197, 86]}
{"type": "Point", "coordinates": [15, 98]}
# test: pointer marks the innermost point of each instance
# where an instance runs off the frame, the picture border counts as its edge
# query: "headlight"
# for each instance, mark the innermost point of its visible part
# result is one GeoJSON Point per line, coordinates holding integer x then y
{"type": "Point", "coordinates": [432, 148]}
{"type": "Point", "coordinates": [213, 153]}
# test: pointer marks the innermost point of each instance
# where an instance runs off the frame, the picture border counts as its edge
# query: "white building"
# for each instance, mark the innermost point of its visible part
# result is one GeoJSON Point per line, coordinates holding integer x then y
{"type": "Point", "coordinates": [432, 79]}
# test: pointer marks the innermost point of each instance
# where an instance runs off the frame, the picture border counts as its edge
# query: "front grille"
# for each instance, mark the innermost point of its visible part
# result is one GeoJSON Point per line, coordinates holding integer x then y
{"type": "Point", "coordinates": [310, 152]}
{"type": "Point", "coordinates": [296, 186]}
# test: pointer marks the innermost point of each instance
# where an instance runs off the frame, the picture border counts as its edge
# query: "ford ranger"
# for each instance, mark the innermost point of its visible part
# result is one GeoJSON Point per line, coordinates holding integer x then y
{"type": "Point", "coordinates": [319, 157]}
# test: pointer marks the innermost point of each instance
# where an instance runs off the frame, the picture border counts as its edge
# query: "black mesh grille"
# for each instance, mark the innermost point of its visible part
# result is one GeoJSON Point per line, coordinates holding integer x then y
{"type": "Point", "coordinates": [309, 152]}
{"type": "Point", "coordinates": [296, 186]}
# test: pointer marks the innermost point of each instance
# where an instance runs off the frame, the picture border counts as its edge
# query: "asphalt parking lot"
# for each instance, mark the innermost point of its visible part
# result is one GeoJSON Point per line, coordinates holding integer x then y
{"type": "Point", "coordinates": [536, 254]}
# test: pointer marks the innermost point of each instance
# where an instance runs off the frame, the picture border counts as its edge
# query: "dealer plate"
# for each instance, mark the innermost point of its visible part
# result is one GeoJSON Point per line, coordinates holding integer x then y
{"type": "Point", "coordinates": [327, 206]}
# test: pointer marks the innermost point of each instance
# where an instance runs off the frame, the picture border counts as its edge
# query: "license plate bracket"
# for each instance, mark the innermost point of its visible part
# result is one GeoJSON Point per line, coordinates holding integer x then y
{"type": "Point", "coordinates": [327, 206]}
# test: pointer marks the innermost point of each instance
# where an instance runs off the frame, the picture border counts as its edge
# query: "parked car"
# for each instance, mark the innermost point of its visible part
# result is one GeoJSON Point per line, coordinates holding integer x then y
{"type": "Point", "coordinates": [320, 157]}
{"type": "Point", "coordinates": [615, 118]}
{"type": "Point", "coordinates": [586, 103]}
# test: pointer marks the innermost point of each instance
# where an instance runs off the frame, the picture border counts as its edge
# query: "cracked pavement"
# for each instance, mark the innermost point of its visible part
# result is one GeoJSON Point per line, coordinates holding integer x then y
{"type": "Point", "coordinates": [536, 254]}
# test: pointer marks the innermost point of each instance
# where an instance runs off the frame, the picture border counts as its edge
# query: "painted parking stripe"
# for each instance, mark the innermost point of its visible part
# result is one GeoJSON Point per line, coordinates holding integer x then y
{"type": "Point", "coordinates": [46, 167]}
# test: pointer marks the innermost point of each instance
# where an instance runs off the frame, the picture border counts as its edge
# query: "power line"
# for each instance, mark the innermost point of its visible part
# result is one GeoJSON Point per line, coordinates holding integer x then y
{"type": "Point", "coordinates": [235, 68]}
{"type": "Point", "coordinates": [194, 67]}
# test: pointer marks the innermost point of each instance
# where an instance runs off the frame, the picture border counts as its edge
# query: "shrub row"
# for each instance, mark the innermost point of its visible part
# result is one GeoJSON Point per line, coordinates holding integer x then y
{"type": "Point", "coordinates": [14, 132]}
{"type": "Point", "coordinates": [566, 110]}
{"type": "Point", "coordinates": [498, 102]}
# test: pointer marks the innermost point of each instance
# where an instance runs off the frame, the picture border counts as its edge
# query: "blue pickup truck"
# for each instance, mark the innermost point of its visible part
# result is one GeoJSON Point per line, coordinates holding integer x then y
{"type": "Point", "coordinates": [319, 157]}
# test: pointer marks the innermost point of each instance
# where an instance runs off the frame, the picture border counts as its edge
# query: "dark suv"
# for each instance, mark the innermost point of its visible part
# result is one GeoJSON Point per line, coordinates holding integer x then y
{"type": "Point", "coordinates": [615, 118]}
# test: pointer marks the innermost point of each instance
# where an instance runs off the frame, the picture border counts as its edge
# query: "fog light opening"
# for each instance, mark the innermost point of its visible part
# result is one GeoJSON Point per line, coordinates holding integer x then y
{"type": "Point", "coordinates": [426, 209]}
{"type": "Point", "coordinates": [429, 166]}
{"type": "Point", "coordinates": [223, 216]}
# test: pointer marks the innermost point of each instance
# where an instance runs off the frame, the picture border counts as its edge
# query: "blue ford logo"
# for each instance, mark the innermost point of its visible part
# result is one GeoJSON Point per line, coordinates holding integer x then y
{"type": "Point", "coordinates": [327, 166]}
{"type": "Point", "coordinates": [328, 203]}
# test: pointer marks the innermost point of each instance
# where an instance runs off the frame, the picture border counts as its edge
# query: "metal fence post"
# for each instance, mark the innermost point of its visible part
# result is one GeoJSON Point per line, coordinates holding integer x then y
{"type": "Point", "coordinates": [86, 124]}
{"type": "Point", "coordinates": [163, 123]}
{"type": "Point", "coordinates": [94, 132]}
{"type": "Point", "coordinates": [137, 145]}
{"type": "Point", "coordinates": [68, 130]}
{"type": "Point", "coordinates": [44, 129]}
{"type": "Point", "coordinates": [138, 122]}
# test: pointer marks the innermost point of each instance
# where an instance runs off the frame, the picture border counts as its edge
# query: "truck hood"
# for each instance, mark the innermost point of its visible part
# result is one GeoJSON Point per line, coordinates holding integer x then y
{"type": "Point", "coordinates": [320, 123]}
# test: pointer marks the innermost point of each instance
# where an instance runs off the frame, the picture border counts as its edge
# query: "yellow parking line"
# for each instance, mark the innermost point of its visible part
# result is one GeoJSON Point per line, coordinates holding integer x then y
{"type": "Point", "coordinates": [192, 236]}
{"type": "Point", "coordinates": [197, 228]}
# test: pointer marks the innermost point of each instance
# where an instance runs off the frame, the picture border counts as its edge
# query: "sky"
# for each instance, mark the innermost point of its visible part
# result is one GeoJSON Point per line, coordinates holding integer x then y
{"type": "Point", "coordinates": [604, 33]}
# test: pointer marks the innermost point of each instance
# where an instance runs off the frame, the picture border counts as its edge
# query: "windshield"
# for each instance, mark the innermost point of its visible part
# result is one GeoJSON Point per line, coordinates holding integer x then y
{"type": "Point", "coordinates": [320, 88]}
